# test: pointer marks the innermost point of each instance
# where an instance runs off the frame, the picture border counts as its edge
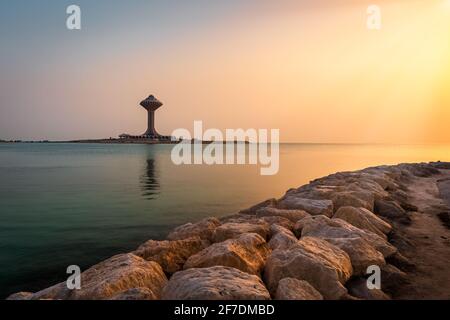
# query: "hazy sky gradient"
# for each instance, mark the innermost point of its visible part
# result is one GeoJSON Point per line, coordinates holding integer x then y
{"type": "Point", "coordinates": [310, 68]}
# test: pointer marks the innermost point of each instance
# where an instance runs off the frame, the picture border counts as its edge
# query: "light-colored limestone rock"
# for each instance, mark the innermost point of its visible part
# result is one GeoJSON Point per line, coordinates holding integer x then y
{"type": "Point", "coordinates": [268, 220]}
{"type": "Point", "coordinates": [215, 283]}
{"type": "Point", "coordinates": [362, 185]}
{"type": "Point", "coordinates": [203, 229]}
{"type": "Point", "coordinates": [281, 238]}
{"type": "Point", "coordinates": [364, 219]}
{"type": "Point", "coordinates": [311, 206]}
{"type": "Point", "coordinates": [252, 210]}
{"type": "Point", "coordinates": [294, 289]}
{"type": "Point", "coordinates": [323, 265]}
{"type": "Point", "coordinates": [384, 181]}
{"type": "Point", "coordinates": [111, 277]}
{"type": "Point", "coordinates": [171, 255]}
{"type": "Point", "coordinates": [247, 253]}
{"type": "Point", "coordinates": [326, 228]}
{"type": "Point", "coordinates": [392, 278]}
{"type": "Point", "coordinates": [361, 253]}
{"type": "Point", "coordinates": [277, 220]}
{"type": "Point", "coordinates": [357, 287]}
{"type": "Point", "coordinates": [389, 209]}
{"type": "Point", "coordinates": [316, 191]}
{"type": "Point", "coordinates": [292, 215]}
{"type": "Point", "coordinates": [231, 230]}
{"type": "Point", "coordinates": [353, 199]}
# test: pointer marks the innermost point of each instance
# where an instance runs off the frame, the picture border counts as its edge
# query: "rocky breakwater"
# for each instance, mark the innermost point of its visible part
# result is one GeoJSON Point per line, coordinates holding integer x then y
{"type": "Point", "coordinates": [314, 243]}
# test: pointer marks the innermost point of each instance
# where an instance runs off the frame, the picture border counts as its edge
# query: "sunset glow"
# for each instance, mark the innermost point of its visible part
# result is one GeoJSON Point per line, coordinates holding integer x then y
{"type": "Point", "coordinates": [313, 70]}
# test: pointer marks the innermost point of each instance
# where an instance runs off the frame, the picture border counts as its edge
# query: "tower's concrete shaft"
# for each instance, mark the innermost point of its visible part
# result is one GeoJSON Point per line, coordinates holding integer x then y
{"type": "Point", "coordinates": [151, 131]}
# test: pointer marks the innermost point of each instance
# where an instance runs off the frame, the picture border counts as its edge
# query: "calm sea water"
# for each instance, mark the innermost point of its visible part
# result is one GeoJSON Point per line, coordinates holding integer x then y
{"type": "Point", "coordinates": [64, 204]}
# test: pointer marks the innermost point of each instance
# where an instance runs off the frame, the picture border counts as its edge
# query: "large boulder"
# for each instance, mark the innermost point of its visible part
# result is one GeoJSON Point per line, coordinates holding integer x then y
{"type": "Point", "coordinates": [277, 220]}
{"type": "Point", "coordinates": [110, 278]}
{"type": "Point", "coordinates": [252, 210]}
{"type": "Point", "coordinates": [203, 229]}
{"type": "Point", "coordinates": [292, 215]}
{"type": "Point", "coordinates": [231, 230]}
{"type": "Point", "coordinates": [315, 191]}
{"type": "Point", "coordinates": [353, 199]}
{"type": "Point", "coordinates": [171, 255]}
{"type": "Point", "coordinates": [364, 219]}
{"type": "Point", "coordinates": [281, 238]}
{"type": "Point", "coordinates": [357, 287]}
{"type": "Point", "coordinates": [294, 289]}
{"type": "Point", "coordinates": [361, 253]}
{"type": "Point", "coordinates": [400, 261]}
{"type": "Point", "coordinates": [400, 196]}
{"type": "Point", "coordinates": [323, 265]}
{"type": "Point", "coordinates": [390, 209]}
{"type": "Point", "coordinates": [392, 279]}
{"type": "Point", "coordinates": [268, 220]}
{"type": "Point", "coordinates": [367, 186]}
{"type": "Point", "coordinates": [326, 228]}
{"type": "Point", "coordinates": [379, 175]}
{"type": "Point", "coordinates": [247, 253]}
{"type": "Point", "coordinates": [311, 206]}
{"type": "Point", "coordinates": [215, 283]}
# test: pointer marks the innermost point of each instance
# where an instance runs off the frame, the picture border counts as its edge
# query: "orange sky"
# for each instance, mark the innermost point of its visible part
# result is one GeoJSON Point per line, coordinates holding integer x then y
{"type": "Point", "coordinates": [315, 72]}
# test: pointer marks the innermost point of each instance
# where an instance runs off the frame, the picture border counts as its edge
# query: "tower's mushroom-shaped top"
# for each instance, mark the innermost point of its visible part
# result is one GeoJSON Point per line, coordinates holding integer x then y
{"type": "Point", "coordinates": [151, 103]}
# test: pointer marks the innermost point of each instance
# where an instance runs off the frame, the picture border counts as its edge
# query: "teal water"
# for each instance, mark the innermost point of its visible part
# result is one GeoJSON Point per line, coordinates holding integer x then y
{"type": "Point", "coordinates": [64, 204]}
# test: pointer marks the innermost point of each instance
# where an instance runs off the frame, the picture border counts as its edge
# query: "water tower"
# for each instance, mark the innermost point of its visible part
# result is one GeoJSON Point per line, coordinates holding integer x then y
{"type": "Point", "coordinates": [151, 104]}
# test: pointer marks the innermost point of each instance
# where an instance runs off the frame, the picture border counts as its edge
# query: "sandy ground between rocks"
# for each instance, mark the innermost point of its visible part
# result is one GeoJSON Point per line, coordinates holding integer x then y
{"type": "Point", "coordinates": [429, 240]}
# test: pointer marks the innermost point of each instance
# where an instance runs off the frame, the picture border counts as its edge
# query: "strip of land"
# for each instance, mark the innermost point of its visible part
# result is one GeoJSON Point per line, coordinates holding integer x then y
{"type": "Point", "coordinates": [324, 240]}
{"type": "Point", "coordinates": [125, 141]}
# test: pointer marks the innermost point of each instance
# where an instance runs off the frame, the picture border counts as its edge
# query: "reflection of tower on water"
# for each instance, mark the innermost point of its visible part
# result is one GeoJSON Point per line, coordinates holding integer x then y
{"type": "Point", "coordinates": [149, 181]}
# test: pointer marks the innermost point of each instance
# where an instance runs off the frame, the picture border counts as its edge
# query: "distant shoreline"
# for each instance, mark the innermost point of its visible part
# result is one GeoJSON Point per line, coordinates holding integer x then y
{"type": "Point", "coordinates": [115, 141]}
